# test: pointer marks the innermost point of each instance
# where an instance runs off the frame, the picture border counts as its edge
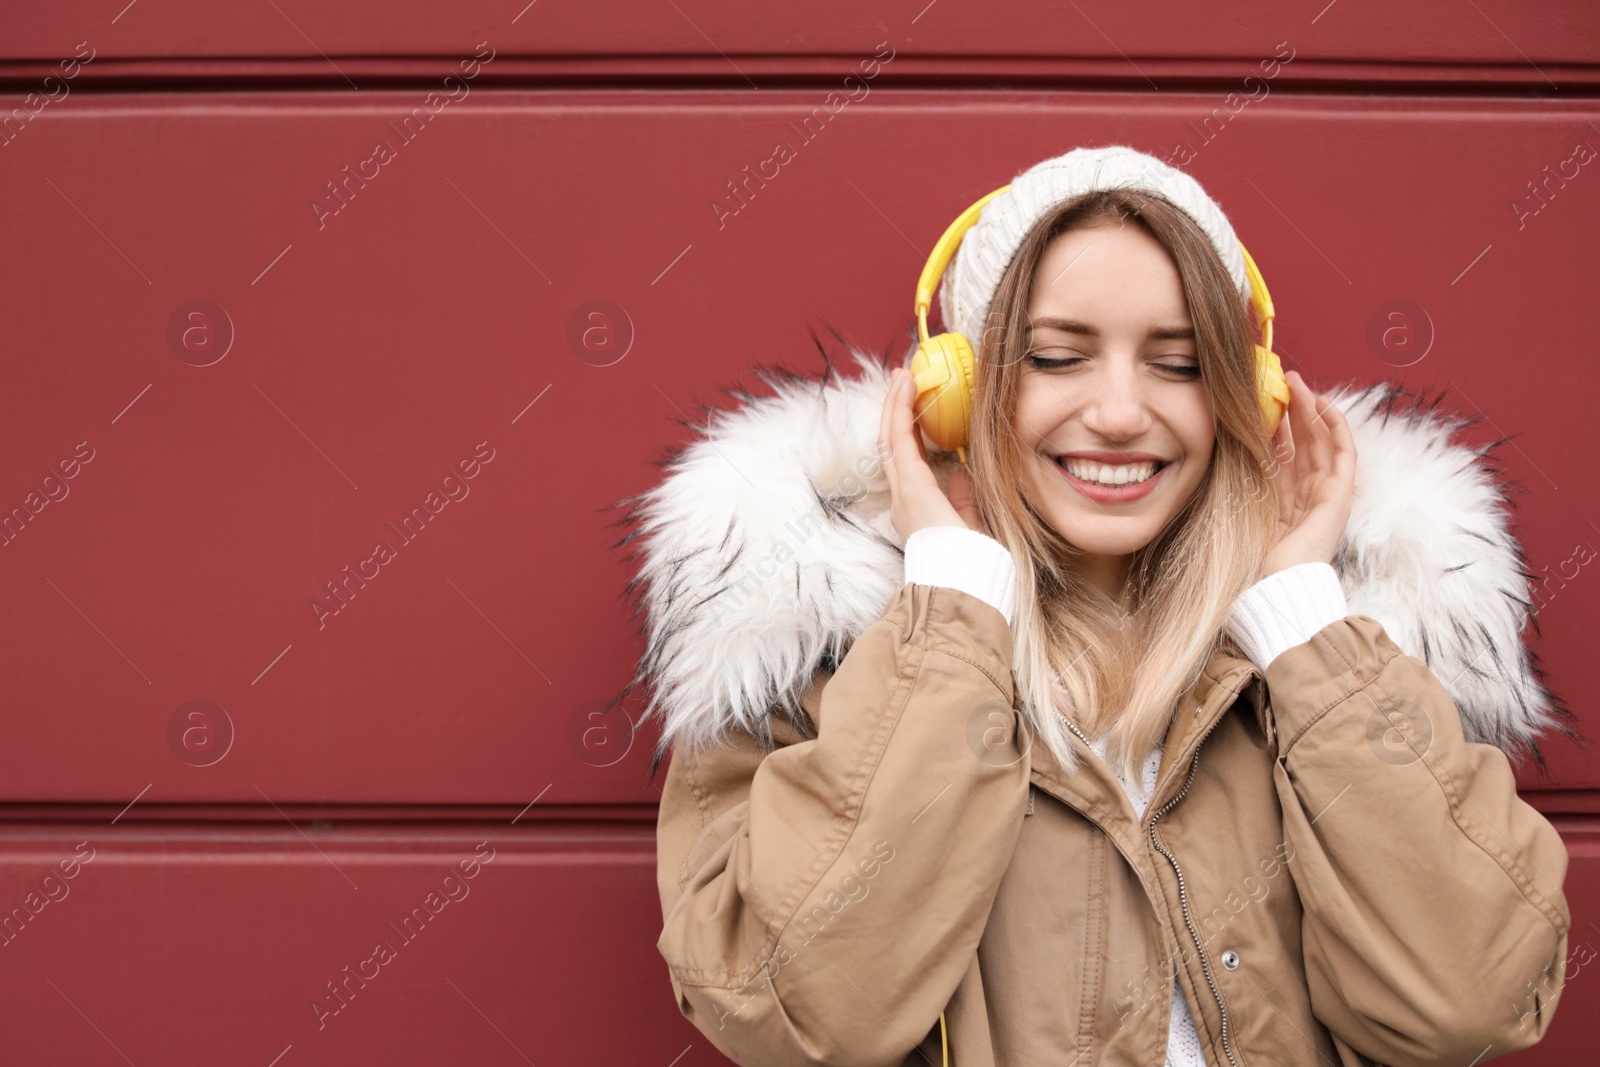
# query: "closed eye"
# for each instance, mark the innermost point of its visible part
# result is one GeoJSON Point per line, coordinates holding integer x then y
{"type": "Point", "coordinates": [1045, 363]}
{"type": "Point", "coordinates": [1184, 370]}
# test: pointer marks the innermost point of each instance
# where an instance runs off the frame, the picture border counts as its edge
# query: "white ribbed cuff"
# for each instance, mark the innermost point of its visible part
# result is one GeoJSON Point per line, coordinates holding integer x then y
{"type": "Point", "coordinates": [1286, 608]}
{"type": "Point", "coordinates": [959, 558]}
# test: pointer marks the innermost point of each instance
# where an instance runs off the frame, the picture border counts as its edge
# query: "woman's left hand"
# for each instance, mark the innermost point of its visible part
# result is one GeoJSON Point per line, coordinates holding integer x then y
{"type": "Point", "coordinates": [1316, 479]}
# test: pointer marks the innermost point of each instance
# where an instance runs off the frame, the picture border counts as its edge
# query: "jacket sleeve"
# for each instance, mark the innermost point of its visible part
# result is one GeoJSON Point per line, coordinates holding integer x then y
{"type": "Point", "coordinates": [822, 902]}
{"type": "Point", "coordinates": [1435, 925]}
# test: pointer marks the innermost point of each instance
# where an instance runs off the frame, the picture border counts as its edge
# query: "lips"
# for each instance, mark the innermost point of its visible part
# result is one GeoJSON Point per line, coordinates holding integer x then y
{"type": "Point", "coordinates": [1109, 494]}
{"type": "Point", "coordinates": [1108, 456]}
{"type": "Point", "coordinates": [1109, 474]}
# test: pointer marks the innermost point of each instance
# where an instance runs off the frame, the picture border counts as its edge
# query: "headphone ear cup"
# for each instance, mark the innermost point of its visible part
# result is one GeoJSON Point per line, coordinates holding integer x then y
{"type": "Point", "coordinates": [944, 367]}
{"type": "Point", "coordinates": [1274, 387]}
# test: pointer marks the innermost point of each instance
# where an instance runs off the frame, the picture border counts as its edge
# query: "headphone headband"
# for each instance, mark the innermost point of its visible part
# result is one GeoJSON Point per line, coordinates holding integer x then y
{"type": "Point", "coordinates": [1260, 299]}
{"type": "Point", "coordinates": [944, 251]}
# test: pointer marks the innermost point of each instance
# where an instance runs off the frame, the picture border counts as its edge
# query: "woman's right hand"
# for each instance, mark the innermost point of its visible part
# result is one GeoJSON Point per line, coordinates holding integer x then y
{"type": "Point", "coordinates": [917, 500]}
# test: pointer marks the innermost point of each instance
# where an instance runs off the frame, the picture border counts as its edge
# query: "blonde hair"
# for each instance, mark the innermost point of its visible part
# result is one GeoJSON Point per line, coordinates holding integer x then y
{"type": "Point", "coordinates": [1118, 670]}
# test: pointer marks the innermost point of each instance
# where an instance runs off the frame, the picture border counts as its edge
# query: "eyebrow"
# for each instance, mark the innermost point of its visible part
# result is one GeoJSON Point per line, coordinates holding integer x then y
{"type": "Point", "coordinates": [1157, 333]}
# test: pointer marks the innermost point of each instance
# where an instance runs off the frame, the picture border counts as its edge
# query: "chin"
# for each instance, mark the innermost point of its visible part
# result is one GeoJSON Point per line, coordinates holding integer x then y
{"type": "Point", "coordinates": [1106, 537]}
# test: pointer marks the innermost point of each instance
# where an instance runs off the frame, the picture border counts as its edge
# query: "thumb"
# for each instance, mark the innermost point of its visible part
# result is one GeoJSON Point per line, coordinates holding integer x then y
{"type": "Point", "coordinates": [964, 501]}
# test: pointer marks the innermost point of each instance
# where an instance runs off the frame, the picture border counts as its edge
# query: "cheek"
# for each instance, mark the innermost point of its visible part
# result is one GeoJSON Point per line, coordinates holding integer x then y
{"type": "Point", "coordinates": [1200, 446]}
{"type": "Point", "coordinates": [1192, 422]}
{"type": "Point", "coordinates": [1038, 412]}
{"type": "Point", "coordinates": [1032, 421]}
{"type": "Point", "coordinates": [1198, 467]}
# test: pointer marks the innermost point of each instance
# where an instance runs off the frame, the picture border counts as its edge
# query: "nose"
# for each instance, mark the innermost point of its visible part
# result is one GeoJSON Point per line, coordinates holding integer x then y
{"type": "Point", "coordinates": [1116, 408]}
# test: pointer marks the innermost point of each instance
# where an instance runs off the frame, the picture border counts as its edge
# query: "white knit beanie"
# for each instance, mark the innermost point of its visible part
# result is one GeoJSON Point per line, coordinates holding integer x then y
{"type": "Point", "coordinates": [987, 248]}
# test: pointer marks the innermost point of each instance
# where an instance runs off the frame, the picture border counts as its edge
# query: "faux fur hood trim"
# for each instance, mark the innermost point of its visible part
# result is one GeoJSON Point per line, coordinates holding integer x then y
{"type": "Point", "coordinates": [767, 549]}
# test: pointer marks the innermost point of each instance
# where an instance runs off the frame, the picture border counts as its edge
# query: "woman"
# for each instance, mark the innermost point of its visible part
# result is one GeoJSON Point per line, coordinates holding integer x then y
{"type": "Point", "coordinates": [1108, 771]}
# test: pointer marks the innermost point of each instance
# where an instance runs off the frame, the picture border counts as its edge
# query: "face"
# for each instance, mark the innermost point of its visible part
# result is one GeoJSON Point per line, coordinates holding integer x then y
{"type": "Point", "coordinates": [1116, 425]}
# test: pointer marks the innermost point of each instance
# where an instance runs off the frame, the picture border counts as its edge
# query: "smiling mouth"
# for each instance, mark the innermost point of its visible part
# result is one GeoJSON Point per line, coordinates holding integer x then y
{"type": "Point", "coordinates": [1109, 475]}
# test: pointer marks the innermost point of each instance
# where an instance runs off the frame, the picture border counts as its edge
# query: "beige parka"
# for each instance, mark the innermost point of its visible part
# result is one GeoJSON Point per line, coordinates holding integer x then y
{"type": "Point", "coordinates": [1335, 866]}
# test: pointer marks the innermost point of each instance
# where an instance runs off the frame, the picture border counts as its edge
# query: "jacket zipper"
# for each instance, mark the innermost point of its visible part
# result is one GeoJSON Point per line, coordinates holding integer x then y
{"type": "Point", "coordinates": [1183, 898]}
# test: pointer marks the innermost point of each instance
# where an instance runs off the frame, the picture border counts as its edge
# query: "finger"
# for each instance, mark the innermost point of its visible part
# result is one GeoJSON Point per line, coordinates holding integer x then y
{"type": "Point", "coordinates": [905, 454]}
{"type": "Point", "coordinates": [1304, 402]}
{"type": "Point", "coordinates": [1303, 409]}
{"type": "Point", "coordinates": [1310, 428]}
{"type": "Point", "coordinates": [958, 491]}
{"type": "Point", "coordinates": [1322, 436]}
{"type": "Point", "coordinates": [1344, 446]}
{"type": "Point", "coordinates": [885, 430]}
{"type": "Point", "coordinates": [915, 429]}
{"type": "Point", "coordinates": [964, 500]}
{"type": "Point", "coordinates": [1283, 443]}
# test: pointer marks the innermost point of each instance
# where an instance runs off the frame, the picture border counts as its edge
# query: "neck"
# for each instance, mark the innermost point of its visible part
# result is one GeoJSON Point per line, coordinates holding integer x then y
{"type": "Point", "coordinates": [1109, 574]}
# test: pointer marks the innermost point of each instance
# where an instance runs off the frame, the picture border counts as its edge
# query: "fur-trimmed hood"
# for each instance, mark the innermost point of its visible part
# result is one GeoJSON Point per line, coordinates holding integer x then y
{"type": "Point", "coordinates": [767, 548]}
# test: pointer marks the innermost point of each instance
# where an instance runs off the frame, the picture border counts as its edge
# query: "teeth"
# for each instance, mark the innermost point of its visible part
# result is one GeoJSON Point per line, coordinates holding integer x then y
{"type": "Point", "coordinates": [1109, 474]}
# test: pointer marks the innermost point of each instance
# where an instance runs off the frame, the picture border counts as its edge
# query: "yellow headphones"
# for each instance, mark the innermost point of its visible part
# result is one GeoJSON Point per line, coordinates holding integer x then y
{"type": "Point", "coordinates": [945, 365]}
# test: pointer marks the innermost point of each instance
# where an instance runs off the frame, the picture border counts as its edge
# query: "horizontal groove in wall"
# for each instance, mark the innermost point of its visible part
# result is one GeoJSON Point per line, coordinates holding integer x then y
{"type": "Point", "coordinates": [236, 844]}
{"type": "Point", "coordinates": [543, 813]}
{"type": "Point", "coordinates": [756, 73]}
{"type": "Point", "coordinates": [1569, 810]}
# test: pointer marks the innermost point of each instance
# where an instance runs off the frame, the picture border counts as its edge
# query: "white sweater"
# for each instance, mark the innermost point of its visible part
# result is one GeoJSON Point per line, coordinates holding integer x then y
{"type": "Point", "coordinates": [1282, 610]}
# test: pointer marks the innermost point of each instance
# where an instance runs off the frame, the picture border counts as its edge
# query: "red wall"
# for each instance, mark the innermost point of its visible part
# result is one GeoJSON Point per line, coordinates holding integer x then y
{"type": "Point", "coordinates": [435, 734]}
